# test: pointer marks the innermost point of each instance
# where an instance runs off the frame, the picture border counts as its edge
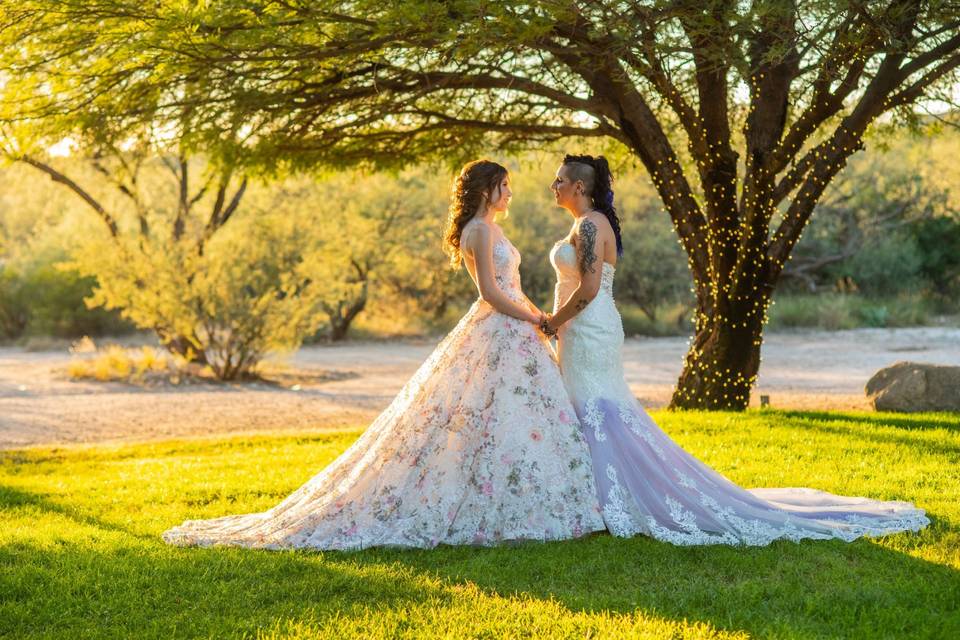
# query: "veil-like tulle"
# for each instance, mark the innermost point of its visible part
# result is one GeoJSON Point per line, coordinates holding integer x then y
{"type": "Point", "coordinates": [649, 485]}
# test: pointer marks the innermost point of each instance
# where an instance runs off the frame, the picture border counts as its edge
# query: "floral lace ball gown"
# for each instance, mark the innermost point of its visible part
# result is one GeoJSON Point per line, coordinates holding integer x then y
{"type": "Point", "coordinates": [649, 485]}
{"type": "Point", "coordinates": [481, 446]}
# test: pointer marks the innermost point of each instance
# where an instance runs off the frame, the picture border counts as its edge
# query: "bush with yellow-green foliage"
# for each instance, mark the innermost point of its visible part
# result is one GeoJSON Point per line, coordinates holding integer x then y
{"type": "Point", "coordinates": [117, 363]}
{"type": "Point", "coordinates": [250, 292]}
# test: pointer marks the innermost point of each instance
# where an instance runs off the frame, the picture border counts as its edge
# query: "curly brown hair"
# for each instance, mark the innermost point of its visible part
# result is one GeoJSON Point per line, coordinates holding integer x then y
{"type": "Point", "coordinates": [465, 200]}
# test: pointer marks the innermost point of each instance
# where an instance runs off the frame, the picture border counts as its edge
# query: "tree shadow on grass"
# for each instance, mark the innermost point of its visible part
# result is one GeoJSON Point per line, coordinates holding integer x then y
{"type": "Point", "coordinates": [73, 590]}
{"type": "Point", "coordinates": [816, 589]}
{"type": "Point", "coordinates": [12, 498]}
{"type": "Point", "coordinates": [802, 422]}
{"type": "Point", "coordinates": [919, 421]}
{"type": "Point", "coordinates": [813, 588]}
{"type": "Point", "coordinates": [141, 587]}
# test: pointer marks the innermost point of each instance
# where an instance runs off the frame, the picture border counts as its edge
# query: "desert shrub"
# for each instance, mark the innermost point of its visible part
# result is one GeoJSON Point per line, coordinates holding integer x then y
{"type": "Point", "coordinates": [49, 300]}
{"type": "Point", "coordinates": [56, 299]}
{"type": "Point", "coordinates": [250, 292]}
{"type": "Point", "coordinates": [833, 311]}
{"type": "Point", "coordinates": [115, 363]}
{"type": "Point", "coordinates": [886, 265]}
{"type": "Point", "coordinates": [938, 241]}
{"type": "Point", "coordinates": [670, 320]}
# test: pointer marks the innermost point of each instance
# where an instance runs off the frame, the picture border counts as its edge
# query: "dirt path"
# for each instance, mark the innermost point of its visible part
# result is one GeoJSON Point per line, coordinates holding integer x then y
{"type": "Point", "coordinates": [40, 405]}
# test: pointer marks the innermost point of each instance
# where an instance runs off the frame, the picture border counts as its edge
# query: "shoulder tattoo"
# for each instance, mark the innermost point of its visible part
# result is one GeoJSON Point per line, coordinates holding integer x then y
{"type": "Point", "coordinates": [587, 242]}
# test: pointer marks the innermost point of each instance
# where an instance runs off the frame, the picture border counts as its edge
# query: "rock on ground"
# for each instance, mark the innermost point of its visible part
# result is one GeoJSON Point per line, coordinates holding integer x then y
{"type": "Point", "coordinates": [914, 386]}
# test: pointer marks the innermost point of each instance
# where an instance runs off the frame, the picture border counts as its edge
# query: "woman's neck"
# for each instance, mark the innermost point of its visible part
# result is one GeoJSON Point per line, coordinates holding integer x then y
{"type": "Point", "coordinates": [487, 216]}
{"type": "Point", "coordinates": [580, 209]}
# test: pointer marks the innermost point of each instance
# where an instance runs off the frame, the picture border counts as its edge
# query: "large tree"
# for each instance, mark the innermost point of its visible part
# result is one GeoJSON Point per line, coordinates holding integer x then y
{"type": "Point", "coordinates": [741, 112]}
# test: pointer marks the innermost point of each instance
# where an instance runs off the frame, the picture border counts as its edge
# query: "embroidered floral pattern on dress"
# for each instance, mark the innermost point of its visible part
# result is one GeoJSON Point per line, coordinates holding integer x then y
{"type": "Point", "coordinates": [481, 446]}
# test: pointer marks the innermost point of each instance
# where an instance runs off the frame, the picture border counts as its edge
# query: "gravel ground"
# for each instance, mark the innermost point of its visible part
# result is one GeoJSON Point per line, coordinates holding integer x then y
{"type": "Point", "coordinates": [348, 385]}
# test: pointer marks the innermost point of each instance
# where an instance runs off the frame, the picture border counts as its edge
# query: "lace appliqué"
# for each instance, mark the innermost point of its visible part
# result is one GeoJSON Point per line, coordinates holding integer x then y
{"type": "Point", "coordinates": [633, 421]}
{"type": "Point", "coordinates": [615, 514]}
{"type": "Point", "coordinates": [593, 417]}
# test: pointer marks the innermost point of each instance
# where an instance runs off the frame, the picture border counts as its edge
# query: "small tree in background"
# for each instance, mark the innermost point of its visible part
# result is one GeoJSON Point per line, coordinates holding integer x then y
{"type": "Point", "coordinates": [372, 235]}
{"type": "Point", "coordinates": [168, 260]}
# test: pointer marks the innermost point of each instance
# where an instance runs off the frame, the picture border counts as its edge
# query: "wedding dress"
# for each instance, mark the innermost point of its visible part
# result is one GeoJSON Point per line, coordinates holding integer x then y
{"type": "Point", "coordinates": [649, 485]}
{"type": "Point", "coordinates": [481, 446]}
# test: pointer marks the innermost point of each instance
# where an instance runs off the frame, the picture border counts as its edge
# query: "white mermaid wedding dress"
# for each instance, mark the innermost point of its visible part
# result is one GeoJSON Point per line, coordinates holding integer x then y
{"type": "Point", "coordinates": [649, 485]}
{"type": "Point", "coordinates": [481, 446]}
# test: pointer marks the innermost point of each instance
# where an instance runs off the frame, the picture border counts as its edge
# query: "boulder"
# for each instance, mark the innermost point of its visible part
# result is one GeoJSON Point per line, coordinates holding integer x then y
{"type": "Point", "coordinates": [913, 386]}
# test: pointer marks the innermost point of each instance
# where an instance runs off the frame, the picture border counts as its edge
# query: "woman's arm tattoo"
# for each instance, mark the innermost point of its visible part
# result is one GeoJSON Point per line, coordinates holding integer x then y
{"type": "Point", "coordinates": [588, 238]}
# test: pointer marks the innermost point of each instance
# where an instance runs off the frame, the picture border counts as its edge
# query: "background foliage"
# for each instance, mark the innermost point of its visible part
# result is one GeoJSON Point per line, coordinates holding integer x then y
{"type": "Point", "coordinates": [884, 249]}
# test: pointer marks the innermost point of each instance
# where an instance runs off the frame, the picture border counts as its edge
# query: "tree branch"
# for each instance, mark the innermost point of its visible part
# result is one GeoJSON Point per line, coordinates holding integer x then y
{"type": "Point", "coordinates": [642, 132]}
{"type": "Point", "coordinates": [56, 176]}
{"type": "Point", "coordinates": [234, 203]}
{"type": "Point", "coordinates": [914, 91]}
{"type": "Point", "coordinates": [183, 198]}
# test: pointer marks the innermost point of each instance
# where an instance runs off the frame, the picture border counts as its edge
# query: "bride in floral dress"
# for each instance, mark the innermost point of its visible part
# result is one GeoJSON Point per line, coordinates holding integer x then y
{"type": "Point", "coordinates": [480, 447]}
{"type": "Point", "coordinates": [648, 484]}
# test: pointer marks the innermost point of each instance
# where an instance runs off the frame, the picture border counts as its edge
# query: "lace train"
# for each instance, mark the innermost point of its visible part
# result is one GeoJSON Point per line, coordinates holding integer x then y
{"type": "Point", "coordinates": [650, 485]}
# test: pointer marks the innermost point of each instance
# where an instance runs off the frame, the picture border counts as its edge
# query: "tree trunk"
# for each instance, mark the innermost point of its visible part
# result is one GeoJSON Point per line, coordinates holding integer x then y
{"type": "Point", "coordinates": [184, 347]}
{"type": "Point", "coordinates": [343, 315]}
{"type": "Point", "coordinates": [721, 365]}
{"type": "Point", "coordinates": [340, 323]}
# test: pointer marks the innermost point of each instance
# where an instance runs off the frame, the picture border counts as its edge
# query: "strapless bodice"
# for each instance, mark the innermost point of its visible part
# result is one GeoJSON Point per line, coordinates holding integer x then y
{"type": "Point", "coordinates": [563, 257]}
{"type": "Point", "coordinates": [506, 268]}
{"type": "Point", "coordinates": [506, 265]}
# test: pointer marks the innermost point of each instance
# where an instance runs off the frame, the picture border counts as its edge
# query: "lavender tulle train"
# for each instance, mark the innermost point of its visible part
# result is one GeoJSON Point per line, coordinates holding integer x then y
{"type": "Point", "coordinates": [648, 485]}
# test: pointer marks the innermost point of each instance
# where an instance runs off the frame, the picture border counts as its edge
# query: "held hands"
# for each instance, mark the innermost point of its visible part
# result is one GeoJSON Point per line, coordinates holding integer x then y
{"type": "Point", "coordinates": [545, 327]}
{"type": "Point", "coordinates": [542, 321]}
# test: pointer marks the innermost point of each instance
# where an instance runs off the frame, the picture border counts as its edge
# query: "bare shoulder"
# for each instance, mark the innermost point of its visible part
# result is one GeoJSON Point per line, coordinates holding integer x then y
{"type": "Point", "coordinates": [591, 228]}
{"type": "Point", "coordinates": [476, 233]}
{"type": "Point", "coordinates": [600, 225]}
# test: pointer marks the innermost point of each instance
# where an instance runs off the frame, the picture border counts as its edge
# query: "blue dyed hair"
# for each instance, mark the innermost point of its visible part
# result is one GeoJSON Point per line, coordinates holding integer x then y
{"type": "Point", "coordinates": [599, 186]}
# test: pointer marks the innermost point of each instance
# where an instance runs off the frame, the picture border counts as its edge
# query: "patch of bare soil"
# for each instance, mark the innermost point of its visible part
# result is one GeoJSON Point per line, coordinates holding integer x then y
{"type": "Point", "coordinates": [346, 386]}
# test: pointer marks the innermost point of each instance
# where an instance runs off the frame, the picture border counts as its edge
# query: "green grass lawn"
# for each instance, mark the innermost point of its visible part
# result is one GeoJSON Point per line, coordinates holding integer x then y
{"type": "Point", "coordinates": [81, 556]}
